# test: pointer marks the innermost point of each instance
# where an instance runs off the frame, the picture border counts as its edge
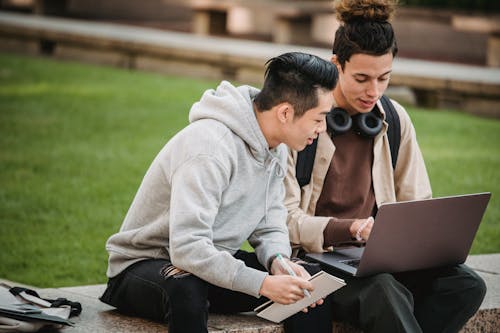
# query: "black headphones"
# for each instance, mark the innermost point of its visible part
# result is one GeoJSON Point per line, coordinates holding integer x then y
{"type": "Point", "coordinates": [367, 125]}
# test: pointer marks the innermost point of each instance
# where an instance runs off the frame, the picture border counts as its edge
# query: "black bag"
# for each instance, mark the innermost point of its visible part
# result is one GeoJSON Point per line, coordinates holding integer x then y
{"type": "Point", "coordinates": [22, 309]}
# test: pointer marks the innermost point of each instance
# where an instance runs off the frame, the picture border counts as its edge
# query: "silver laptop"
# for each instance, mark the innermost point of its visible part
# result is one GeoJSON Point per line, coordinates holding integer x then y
{"type": "Point", "coordinates": [413, 235]}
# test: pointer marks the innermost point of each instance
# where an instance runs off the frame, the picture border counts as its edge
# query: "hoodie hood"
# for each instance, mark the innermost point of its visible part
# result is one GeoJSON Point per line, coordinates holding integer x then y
{"type": "Point", "coordinates": [233, 106]}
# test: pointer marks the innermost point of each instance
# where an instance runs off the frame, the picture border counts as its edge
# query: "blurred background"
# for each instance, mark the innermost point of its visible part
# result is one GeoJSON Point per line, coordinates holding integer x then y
{"type": "Point", "coordinates": [460, 31]}
{"type": "Point", "coordinates": [91, 90]}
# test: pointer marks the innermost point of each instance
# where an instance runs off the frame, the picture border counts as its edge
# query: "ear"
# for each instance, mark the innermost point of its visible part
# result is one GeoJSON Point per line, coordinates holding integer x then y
{"type": "Point", "coordinates": [284, 112]}
{"type": "Point", "coordinates": [335, 61]}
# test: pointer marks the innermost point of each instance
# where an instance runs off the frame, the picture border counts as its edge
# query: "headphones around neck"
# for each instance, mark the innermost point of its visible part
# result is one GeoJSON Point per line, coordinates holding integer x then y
{"type": "Point", "coordinates": [367, 125]}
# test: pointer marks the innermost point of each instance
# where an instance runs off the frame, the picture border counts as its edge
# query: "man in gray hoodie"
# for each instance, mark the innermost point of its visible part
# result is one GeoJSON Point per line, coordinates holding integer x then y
{"type": "Point", "coordinates": [215, 184]}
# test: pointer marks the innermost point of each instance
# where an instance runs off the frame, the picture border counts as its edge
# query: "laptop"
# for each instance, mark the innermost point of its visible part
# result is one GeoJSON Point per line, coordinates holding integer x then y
{"type": "Point", "coordinates": [413, 235]}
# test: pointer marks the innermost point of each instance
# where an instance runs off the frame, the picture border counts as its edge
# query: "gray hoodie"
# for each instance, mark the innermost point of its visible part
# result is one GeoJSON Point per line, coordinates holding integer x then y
{"type": "Point", "coordinates": [214, 185]}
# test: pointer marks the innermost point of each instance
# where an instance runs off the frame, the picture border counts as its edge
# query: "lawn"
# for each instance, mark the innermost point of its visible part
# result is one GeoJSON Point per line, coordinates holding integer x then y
{"type": "Point", "coordinates": [77, 139]}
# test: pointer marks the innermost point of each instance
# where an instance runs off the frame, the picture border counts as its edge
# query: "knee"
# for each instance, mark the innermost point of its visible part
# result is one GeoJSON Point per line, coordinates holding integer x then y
{"type": "Point", "coordinates": [187, 294]}
{"type": "Point", "coordinates": [386, 289]}
{"type": "Point", "coordinates": [474, 287]}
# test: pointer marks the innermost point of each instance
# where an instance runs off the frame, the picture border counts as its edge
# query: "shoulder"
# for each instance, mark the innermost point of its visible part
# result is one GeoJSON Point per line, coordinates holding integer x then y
{"type": "Point", "coordinates": [207, 136]}
{"type": "Point", "coordinates": [404, 118]}
{"type": "Point", "coordinates": [202, 140]}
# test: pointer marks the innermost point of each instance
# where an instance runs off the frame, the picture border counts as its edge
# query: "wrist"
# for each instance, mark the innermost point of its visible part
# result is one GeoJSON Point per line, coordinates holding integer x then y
{"type": "Point", "coordinates": [360, 229]}
{"type": "Point", "coordinates": [271, 260]}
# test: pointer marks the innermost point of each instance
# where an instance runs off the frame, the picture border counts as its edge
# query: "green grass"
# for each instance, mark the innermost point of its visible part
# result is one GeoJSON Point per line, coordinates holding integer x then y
{"type": "Point", "coordinates": [75, 143]}
{"type": "Point", "coordinates": [462, 155]}
{"type": "Point", "coordinates": [76, 140]}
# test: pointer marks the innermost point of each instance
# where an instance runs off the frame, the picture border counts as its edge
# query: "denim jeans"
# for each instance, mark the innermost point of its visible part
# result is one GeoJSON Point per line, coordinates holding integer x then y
{"type": "Point", "coordinates": [183, 301]}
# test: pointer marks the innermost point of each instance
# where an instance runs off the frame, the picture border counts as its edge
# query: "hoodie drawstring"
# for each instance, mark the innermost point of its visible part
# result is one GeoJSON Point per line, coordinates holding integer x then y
{"type": "Point", "coordinates": [280, 172]}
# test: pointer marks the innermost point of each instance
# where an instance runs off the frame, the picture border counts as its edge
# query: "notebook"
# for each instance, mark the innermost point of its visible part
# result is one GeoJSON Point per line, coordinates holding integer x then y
{"type": "Point", "coordinates": [413, 235]}
{"type": "Point", "coordinates": [324, 284]}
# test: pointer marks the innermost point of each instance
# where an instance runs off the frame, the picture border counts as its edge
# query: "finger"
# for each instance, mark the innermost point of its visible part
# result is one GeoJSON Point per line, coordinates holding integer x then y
{"type": "Point", "coordinates": [305, 310]}
{"type": "Point", "coordinates": [296, 295]}
{"type": "Point", "coordinates": [320, 301]}
{"type": "Point", "coordinates": [300, 271]}
{"type": "Point", "coordinates": [304, 284]}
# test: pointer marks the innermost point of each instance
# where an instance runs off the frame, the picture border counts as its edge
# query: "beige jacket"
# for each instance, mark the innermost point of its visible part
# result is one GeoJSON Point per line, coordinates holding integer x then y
{"type": "Point", "coordinates": [409, 181]}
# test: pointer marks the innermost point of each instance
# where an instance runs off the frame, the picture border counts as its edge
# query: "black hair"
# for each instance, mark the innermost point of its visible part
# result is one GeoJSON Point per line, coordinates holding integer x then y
{"type": "Point", "coordinates": [365, 28]}
{"type": "Point", "coordinates": [295, 78]}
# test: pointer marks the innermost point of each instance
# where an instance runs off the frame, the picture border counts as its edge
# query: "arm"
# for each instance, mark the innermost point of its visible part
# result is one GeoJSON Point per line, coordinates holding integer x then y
{"type": "Point", "coordinates": [271, 235]}
{"type": "Point", "coordinates": [411, 181]}
{"type": "Point", "coordinates": [304, 229]}
{"type": "Point", "coordinates": [197, 188]}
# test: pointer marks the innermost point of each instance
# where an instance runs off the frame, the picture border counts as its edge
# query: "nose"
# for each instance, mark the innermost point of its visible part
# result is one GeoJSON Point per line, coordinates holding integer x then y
{"type": "Point", "coordinates": [373, 89]}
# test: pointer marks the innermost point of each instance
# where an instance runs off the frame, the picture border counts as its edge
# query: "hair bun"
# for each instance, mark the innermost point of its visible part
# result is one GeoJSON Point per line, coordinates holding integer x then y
{"type": "Point", "coordinates": [369, 10]}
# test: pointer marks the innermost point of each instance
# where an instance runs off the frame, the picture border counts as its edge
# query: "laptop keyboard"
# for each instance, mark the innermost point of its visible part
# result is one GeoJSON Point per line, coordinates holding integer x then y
{"type": "Point", "coordinates": [352, 262]}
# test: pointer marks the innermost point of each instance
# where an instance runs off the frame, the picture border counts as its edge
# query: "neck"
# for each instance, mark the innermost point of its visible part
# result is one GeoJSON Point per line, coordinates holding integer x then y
{"type": "Point", "coordinates": [341, 101]}
{"type": "Point", "coordinates": [267, 126]}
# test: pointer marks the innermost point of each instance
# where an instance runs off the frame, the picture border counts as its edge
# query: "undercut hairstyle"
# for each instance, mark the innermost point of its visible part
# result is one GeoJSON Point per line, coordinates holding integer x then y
{"type": "Point", "coordinates": [364, 28]}
{"type": "Point", "coordinates": [295, 78]}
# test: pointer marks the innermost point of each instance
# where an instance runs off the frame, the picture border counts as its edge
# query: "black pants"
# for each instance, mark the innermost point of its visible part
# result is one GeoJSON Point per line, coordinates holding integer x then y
{"type": "Point", "coordinates": [434, 300]}
{"type": "Point", "coordinates": [184, 301]}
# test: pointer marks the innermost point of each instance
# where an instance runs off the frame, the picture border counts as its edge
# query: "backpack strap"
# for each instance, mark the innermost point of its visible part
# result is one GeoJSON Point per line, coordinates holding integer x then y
{"type": "Point", "coordinates": [393, 129]}
{"type": "Point", "coordinates": [305, 158]}
{"type": "Point", "coordinates": [305, 162]}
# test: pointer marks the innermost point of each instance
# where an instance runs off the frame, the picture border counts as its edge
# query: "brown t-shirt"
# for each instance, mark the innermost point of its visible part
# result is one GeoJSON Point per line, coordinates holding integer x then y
{"type": "Point", "coordinates": [347, 192]}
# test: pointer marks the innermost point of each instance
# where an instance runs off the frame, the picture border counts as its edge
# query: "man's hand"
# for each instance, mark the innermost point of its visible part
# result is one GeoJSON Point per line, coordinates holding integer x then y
{"type": "Point", "coordinates": [277, 268]}
{"type": "Point", "coordinates": [366, 226]}
{"type": "Point", "coordinates": [284, 289]}
{"type": "Point", "coordinates": [300, 281]}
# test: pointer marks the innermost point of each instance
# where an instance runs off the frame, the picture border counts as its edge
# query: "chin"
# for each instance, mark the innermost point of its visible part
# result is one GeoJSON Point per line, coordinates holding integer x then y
{"type": "Point", "coordinates": [301, 147]}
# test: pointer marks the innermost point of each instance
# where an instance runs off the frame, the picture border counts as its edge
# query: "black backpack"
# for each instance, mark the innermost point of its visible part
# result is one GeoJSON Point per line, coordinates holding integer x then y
{"type": "Point", "coordinates": [305, 158]}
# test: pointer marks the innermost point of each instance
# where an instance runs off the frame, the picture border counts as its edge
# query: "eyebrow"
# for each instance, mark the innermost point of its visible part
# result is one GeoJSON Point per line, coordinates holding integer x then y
{"type": "Point", "coordinates": [366, 75]}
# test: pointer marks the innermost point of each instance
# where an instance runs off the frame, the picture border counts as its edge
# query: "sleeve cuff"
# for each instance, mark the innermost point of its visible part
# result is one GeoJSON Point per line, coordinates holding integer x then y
{"type": "Point", "coordinates": [337, 231]}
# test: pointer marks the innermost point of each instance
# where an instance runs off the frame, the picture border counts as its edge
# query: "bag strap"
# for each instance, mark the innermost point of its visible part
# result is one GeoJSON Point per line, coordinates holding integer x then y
{"type": "Point", "coordinates": [76, 307]}
{"type": "Point", "coordinates": [305, 162]}
{"type": "Point", "coordinates": [393, 129]}
{"type": "Point", "coordinates": [305, 158]}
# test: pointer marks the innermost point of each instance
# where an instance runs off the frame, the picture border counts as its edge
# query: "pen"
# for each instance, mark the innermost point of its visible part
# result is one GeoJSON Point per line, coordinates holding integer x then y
{"type": "Point", "coordinates": [287, 267]}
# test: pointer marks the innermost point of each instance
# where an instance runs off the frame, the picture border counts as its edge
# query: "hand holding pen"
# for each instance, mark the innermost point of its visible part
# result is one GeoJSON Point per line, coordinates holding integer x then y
{"type": "Point", "coordinates": [290, 271]}
{"type": "Point", "coordinates": [285, 288]}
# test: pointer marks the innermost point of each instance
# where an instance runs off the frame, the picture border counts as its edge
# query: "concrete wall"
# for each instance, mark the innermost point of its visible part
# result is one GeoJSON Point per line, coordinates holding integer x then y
{"type": "Point", "coordinates": [421, 33]}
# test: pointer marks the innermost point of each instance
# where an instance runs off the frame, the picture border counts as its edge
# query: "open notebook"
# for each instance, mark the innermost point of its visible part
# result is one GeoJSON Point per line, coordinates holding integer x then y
{"type": "Point", "coordinates": [324, 284]}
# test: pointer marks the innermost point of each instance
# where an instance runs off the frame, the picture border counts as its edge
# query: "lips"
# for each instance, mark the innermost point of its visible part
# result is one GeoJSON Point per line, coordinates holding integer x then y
{"type": "Point", "coordinates": [367, 104]}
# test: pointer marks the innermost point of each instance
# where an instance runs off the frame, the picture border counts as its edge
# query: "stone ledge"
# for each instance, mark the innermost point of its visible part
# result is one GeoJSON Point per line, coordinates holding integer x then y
{"type": "Point", "coordinates": [99, 317]}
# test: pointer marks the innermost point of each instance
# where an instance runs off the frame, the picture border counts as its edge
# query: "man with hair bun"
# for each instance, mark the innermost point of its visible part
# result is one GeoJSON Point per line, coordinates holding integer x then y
{"type": "Point", "coordinates": [353, 174]}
